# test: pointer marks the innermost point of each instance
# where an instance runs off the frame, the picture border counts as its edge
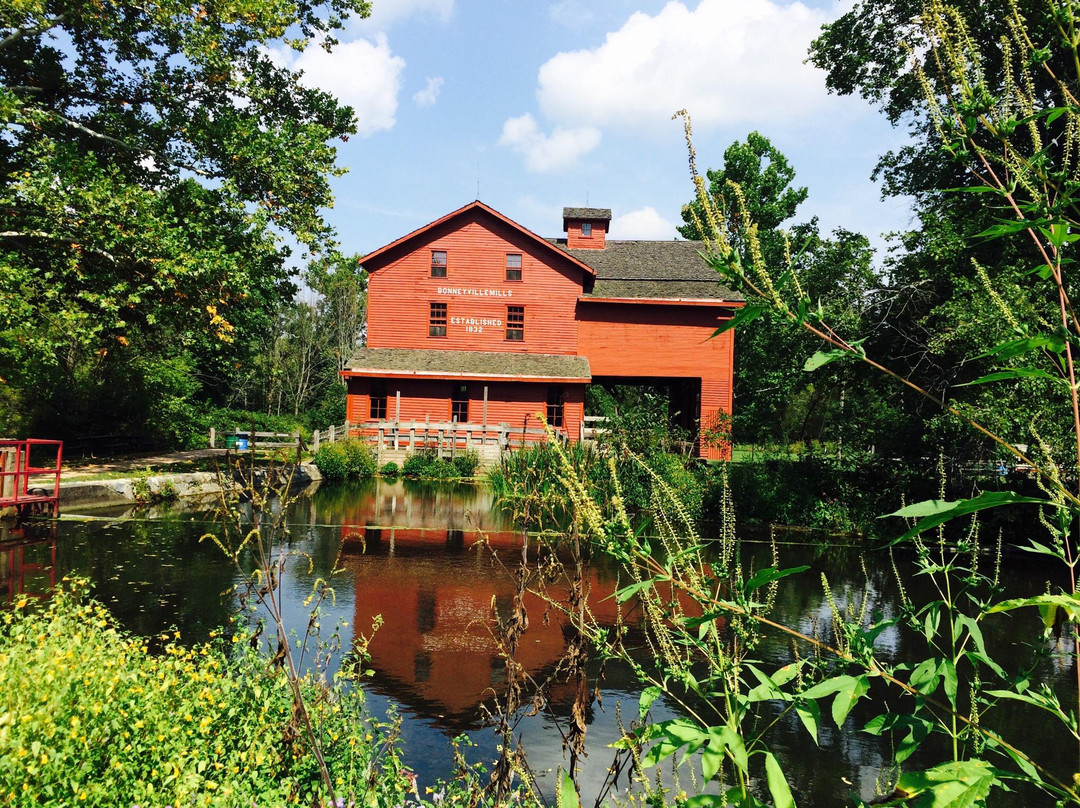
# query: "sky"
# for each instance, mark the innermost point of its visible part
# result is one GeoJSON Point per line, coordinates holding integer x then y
{"type": "Point", "coordinates": [533, 106]}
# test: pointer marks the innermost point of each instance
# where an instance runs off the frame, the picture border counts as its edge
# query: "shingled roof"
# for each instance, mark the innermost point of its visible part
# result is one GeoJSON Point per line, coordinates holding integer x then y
{"type": "Point", "coordinates": [586, 213]}
{"type": "Point", "coordinates": [468, 364]}
{"type": "Point", "coordinates": [653, 269]}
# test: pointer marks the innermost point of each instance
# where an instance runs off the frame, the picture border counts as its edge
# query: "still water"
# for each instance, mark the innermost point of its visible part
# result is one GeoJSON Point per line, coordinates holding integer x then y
{"type": "Point", "coordinates": [436, 561]}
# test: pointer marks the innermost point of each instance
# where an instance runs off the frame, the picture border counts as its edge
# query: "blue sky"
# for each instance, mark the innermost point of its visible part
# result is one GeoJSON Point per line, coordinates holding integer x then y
{"type": "Point", "coordinates": [570, 103]}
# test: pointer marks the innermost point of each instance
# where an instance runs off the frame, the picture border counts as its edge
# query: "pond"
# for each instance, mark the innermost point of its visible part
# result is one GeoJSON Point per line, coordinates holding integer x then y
{"type": "Point", "coordinates": [435, 561]}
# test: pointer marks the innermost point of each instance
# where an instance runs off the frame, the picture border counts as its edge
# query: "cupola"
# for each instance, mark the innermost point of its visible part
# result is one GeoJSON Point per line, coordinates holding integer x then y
{"type": "Point", "coordinates": [586, 228]}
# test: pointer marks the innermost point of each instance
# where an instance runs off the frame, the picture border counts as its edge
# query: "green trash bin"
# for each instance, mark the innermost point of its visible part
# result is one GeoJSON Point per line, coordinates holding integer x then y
{"type": "Point", "coordinates": [231, 441]}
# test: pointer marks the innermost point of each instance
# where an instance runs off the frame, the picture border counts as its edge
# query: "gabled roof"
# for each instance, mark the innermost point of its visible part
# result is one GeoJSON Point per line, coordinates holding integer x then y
{"type": "Point", "coordinates": [468, 365]}
{"type": "Point", "coordinates": [373, 261]}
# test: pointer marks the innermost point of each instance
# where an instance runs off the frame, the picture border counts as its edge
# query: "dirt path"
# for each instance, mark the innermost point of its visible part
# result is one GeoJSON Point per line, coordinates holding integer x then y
{"type": "Point", "coordinates": [81, 469]}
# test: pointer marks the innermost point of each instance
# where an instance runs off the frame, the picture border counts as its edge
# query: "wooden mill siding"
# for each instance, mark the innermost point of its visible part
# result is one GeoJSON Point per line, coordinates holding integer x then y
{"type": "Point", "coordinates": [400, 293]}
{"type": "Point", "coordinates": [513, 403]}
{"type": "Point", "coordinates": [663, 334]}
{"type": "Point", "coordinates": [665, 341]}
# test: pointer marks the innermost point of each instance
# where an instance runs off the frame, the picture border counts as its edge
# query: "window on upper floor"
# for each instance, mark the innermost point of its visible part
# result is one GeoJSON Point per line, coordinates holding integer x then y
{"type": "Point", "coordinates": [513, 266]}
{"type": "Point", "coordinates": [515, 323]}
{"type": "Point", "coordinates": [586, 229]}
{"type": "Point", "coordinates": [438, 263]}
{"type": "Point", "coordinates": [437, 320]}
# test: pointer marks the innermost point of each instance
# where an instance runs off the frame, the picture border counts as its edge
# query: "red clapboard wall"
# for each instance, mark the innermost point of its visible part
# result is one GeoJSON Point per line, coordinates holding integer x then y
{"type": "Point", "coordinates": [475, 291]}
{"type": "Point", "coordinates": [513, 403]}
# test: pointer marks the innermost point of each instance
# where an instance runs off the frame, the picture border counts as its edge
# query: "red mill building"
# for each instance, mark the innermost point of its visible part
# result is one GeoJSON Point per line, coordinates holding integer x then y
{"type": "Point", "coordinates": [475, 320]}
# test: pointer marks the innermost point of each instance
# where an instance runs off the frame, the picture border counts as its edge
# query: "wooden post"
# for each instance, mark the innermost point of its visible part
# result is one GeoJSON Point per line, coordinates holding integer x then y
{"type": "Point", "coordinates": [412, 436]}
{"type": "Point", "coordinates": [348, 426]}
{"type": "Point", "coordinates": [315, 441]}
{"type": "Point", "coordinates": [397, 410]}
{"type": "Point", "coordinates": [212, 438]}
{"type": "Point", "coordinates": [485, 406]}
{"type": "Point", "coordinates": [332, 438]}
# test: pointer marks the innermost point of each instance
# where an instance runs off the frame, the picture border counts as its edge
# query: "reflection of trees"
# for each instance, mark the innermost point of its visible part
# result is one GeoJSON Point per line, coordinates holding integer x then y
{"type": "Point", "coordinates": [153, 575]}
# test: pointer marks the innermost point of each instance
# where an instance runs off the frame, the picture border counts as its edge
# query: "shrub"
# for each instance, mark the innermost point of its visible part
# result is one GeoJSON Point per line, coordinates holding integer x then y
{"type": "Point", "coordinates": [359, 459]}
{"type": "Point", "coordinates": [390, 469]}
{"type": "Point", "coordinates": [467, 462]}
{"type": "Point", "coordinates": [440, 469]}
{"type": "Point", "coordinates": [347, 458]}
{"type": "Point", "coordinates": [416, 464]}
{"type": "Point", "coordinates": [331, 461]}
{"type": "Point", "coordinates": [182, 726]}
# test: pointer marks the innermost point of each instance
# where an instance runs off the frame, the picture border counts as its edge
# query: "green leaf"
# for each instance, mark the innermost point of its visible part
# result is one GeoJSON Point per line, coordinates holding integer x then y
{"type": "Point", "coordinates": [778, 785]}
{"type": "Point", "coordinates": [950, 680]}
{"type": "Point", "coordinates": [767, 576]}
{"type": "Point", "coordinates": [648, 696]}
{"type": "Point", "coordinates": [810, 715]}
{"type": "Point", "coordinates": [1016, 347]}
{"type": "Point", "coordinates": [1010, 226]}
{"type": "Point", "coordinates": [951, 785]}
{"type": "Point", "coordinates": [1016, 373]}
{"type": "Point", "coordinates": [846, 698]}
{"type": "Point", "coordinates": [926, 676]}
{"type": "Point", "coordinates": [568, 797]}
{"type": "Point", "coordinates": [625, 593]}
{"type": "Point", "coordinates": [936, 512]}
{"type": "Point", "coordinates": [711, 758]}
{"type": "Point", "coordinates": [749, 313]}
{"type": "Point", "coordinates": [1070, 604]}
{"type": "Point", "coordinates": [822, 358]}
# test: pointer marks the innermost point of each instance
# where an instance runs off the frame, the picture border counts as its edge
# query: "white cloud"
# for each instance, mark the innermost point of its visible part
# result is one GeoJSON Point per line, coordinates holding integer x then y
{"type": "Point", "coordinates": [427, 96]}
{"type": "Point", "coordinates": [571, 13]}
{"type": "Point", "coordinates": [384, 12]}
{"type": "Point", "coordinates": [645, 223]}
{"type": "Point", "coordinates": [544, 153]}
{"type": "Point", "coordinates": [361, 73]}
{"type": "Point", "coordinates": [726, 61]}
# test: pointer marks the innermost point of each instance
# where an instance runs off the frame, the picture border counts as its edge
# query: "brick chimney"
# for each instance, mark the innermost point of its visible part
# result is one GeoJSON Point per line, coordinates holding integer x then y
{"type": "Point", "coordinates": [586, 228]}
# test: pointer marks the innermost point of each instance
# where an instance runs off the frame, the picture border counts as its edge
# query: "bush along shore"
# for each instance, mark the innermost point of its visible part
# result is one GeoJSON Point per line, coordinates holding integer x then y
{"type": "Point", "coordinates": [355, 459]}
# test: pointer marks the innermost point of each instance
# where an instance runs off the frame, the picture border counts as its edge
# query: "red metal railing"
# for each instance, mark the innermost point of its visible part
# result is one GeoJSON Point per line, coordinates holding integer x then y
{"type": "Point", "coordinates": [16, 470]}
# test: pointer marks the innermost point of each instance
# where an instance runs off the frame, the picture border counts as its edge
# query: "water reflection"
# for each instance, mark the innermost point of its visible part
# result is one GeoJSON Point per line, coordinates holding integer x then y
{"type": "Point", "coordinates": [435, 562]}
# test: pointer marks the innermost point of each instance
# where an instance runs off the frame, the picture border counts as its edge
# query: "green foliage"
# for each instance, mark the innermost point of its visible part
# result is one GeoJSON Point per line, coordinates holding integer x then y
{"type": "Point", "coordinates": [426, 464]}
{"type": "Point", "coordinates": [331, 461]}
{"type": "Point", "coordinates": [206, 725]}
{"type": "Point", "coordinates": [466, 463]}
{"type": "Point", "coordinates": [359, 458]}
{"type": "Point", "coordinates": [347, 458]}
{"type": "Point", "coordinates": [390, 469]}
{"type": "Point", "coordinates": [777, 402]}
{"type": "Point", "coordinates": [417, 463]}
{"type": "Point", "coordinates": [151, 161]}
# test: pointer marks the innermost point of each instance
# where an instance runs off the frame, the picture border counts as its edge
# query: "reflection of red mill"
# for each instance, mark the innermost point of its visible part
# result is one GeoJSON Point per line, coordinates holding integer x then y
{"type": "Point", "coordinates": [436, 640]}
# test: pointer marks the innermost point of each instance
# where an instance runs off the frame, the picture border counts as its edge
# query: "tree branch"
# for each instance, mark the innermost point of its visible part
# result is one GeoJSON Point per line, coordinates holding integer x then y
{"type": "Point", "coordinates": [15, 235]}
{"type": "Point", "coordinates": [30, 30]}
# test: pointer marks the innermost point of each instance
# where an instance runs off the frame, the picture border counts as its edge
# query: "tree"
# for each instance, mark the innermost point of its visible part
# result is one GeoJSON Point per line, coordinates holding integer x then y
{"type": "Point", "coordinates": [151, 157]}
{"type": "Point", "coordinates": [951, 292]}
{"type": "Point", "coordinates": [775, 400]}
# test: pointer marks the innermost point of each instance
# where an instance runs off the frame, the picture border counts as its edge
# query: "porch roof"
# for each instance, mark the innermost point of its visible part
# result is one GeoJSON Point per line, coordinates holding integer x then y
{"type": "Point", "coordinates": [496, 365]}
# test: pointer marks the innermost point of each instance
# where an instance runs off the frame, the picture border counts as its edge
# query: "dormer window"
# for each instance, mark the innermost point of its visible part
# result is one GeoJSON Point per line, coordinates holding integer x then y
{"type": "Point", "coordinates": [586, 229]}
{"type": "Point", "coordinates": [438, 263]}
